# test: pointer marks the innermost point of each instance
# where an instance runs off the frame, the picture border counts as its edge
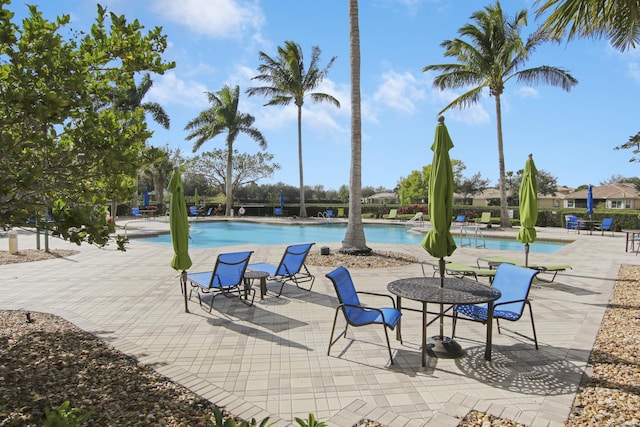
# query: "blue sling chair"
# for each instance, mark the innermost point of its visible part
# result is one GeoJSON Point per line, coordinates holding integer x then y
{"type": "Point", "coordinates": [357, 314]}
{"type": "Point", "coordinates": [514, 282]}
{"type": "Point", "coordinates": [225, 278]}
{"type": "Point", "coordinates": [291, 267]}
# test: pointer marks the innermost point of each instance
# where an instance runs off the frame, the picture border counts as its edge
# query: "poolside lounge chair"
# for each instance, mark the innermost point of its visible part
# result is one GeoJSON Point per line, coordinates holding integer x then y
{"type": "Point", "coordinates": [485, 218]}
{"type": "Point", "coordinates": [514, 283]}
{"type": "Point", "coordinates": [495, 261]}
{"type": "Point", "coordinates": [291, 267]}
{"type": "Point", "coordinates": [193, 211]}
{"type": "Point", "coordinates": [357, 314]}
{"type": "Point", "coordinates": [606, 225]}
{"type": "Point", "coordinates": [393, 214]}
{"type": "Point", "coordinates": [460, 219]}
{"type": "Point", "coordinates": [225, 278]}
{"type": "Point", "coordinates": [136, 212]}
{"type": "Point", "coordinates": [457, 269]}
{"type": "Point", "coordinates": [341, 213]}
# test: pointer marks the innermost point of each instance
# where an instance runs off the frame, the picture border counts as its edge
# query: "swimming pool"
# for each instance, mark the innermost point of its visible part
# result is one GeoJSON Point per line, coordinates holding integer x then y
{"type": "Point", "coordinates": [230, 233]}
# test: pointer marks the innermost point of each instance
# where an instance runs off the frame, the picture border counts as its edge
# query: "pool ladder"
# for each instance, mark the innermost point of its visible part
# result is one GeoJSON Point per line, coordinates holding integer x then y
{"type": "Point", "coordinates": [468, 232]}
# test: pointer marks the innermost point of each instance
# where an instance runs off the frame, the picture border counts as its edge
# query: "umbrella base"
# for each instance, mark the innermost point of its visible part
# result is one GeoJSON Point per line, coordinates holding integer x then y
{"type": "Point", "coordinates": [444, 347]}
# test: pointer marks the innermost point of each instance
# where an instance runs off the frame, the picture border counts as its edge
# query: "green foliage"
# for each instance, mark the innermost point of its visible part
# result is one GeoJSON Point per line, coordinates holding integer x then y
{"type": "Point", "coordinates": [310, 422]}
{"type": "Point", "coordinates": [63, 416]}
{"type": "Point", "coordinates": [64, 154]}
{"type": "Point", "coordinates": [219, 421]}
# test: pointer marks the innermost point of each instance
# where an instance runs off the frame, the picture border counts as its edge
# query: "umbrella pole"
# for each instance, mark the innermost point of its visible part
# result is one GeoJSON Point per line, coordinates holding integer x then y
{"type": "Point", "coordinates": [526, 255]}
{"type": "Point", "coordinates": [441, 264]}
{"type": "Point", "coordinates": [183, 283]}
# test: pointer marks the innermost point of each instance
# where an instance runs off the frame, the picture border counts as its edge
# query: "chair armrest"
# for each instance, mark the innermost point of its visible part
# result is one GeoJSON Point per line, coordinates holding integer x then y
{"type": "Point", "coordinates": [509, 302]}
{"type": "Point", "coordinates": [378, 295]}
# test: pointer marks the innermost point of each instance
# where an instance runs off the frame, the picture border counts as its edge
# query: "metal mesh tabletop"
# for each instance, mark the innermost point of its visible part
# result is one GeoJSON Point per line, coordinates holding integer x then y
{"type": "Point", "coordinates": [454, 291]}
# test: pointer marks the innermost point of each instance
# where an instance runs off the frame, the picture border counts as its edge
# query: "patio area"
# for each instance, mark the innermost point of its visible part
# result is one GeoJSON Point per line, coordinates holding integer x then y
{"type": "Point", "coordinates": [271, 359]}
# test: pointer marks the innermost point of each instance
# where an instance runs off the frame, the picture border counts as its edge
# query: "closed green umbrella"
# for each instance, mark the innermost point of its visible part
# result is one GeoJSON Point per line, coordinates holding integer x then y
{"type": "Point", "coordinates": [179, 226]}
{"type": "Point", "coordinates": [528, 196]}
{"type": "Point", "coordinates": [439, 242]}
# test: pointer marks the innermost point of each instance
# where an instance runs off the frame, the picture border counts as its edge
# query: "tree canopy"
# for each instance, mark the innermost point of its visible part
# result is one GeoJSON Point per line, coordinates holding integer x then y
{"type": "Point", "coordinates": [63, 154]}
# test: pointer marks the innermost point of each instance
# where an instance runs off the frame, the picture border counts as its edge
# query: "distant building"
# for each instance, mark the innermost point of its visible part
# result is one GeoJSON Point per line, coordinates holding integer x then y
{"type": "Point", "coordinates": [382, 198]}
{"type": "Point", "coordinates": [612, 196]}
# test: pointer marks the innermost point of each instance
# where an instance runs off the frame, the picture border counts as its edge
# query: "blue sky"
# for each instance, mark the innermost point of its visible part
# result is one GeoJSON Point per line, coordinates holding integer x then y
{"type": "Point", "coordinates": [571, 135]}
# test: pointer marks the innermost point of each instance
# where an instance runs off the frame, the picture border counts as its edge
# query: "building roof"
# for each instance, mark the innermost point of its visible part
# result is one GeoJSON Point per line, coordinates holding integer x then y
{"type": "Point", "coordinates": [609, 191]}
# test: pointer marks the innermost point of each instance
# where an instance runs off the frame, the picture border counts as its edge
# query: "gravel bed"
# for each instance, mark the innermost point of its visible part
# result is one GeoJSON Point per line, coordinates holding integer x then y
{"type": "Point", "coordinates": [48, 360]}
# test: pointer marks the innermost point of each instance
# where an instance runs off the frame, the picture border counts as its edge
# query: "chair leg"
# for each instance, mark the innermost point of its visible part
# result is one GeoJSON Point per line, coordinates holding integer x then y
{"type": "Point", "coordinates": [333, 329]}
{"type": "Point", "coordinates": [533, 326]}
{"type": "Point", "coordinates": [454, 320]}
{"type": "Point", "coordinates": [386, 335]}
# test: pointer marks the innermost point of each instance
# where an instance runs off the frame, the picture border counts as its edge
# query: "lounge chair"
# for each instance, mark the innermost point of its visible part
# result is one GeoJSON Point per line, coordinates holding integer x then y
{"type": "Point", "coordinates": [193, 211]}
{"type": "Point", "coordinates": [357, 314]}
{"type": "Point", "coordinates": [341, 213]}
{"type": "Point", "coordinates": [136, 212]}
{"type": "Point", "coordinates": [393, 214]}
{"type": "Point", "coordinates": [494, 262]}
{"type": "Point", "coordinates": [485, 218]}
{"type": "Point", "coordinates": [514, 283]}
{"type": "Point", "coordinates": [457, 269]}
{"type": "Point", "coordinates": [606, 225]}
{"type": "Point", "coordinates": [291, 267]}
{"type": "Point", "coordinates": [460, 219]}
{"type": "Point", "coordinates": [225, 278]}
{"type": "Point", "coordinates": [277, 211]}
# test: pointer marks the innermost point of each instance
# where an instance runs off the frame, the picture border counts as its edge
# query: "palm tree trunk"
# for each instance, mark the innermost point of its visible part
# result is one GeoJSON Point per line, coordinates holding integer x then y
{"type": "Point", "coordinates": [505, 221]}
{"type": "Point", "coordinates": [303, 209]}
{"type": "Point", "coordinates": [228, 185]}
{"type": "Point", "coordinates": [354, 239]}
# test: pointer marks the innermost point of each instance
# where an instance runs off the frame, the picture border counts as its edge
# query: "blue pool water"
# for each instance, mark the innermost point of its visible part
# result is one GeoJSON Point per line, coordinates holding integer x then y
{"type": "Point", "coordinates": [219, 234]}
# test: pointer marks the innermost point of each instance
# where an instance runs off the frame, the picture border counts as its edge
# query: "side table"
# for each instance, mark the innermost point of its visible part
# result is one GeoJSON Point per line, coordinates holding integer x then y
{"type": "Point", "coordinates": [251, 275]}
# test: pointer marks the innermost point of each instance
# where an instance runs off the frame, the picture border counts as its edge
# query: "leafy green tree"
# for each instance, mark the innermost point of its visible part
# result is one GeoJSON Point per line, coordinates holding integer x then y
{"type": "Point", "coordinates": [246, 168]}
{"type": "Point", "coordinates": [493, 55]}
{"type": "Point", "coordinates": [547, 183]}
{"type": "Point", "coordinates": [414, 187]}
{"type": "Point", "coordinates": [62, 154]}
{"type": "Point", "coordinates": [287, 81]}
{"type": "Point", "coordinates": [616, 20]}
{"type": "Point", "coordinates": [468, 187]}
{"type": "Point", "coordinates": [222, 117]}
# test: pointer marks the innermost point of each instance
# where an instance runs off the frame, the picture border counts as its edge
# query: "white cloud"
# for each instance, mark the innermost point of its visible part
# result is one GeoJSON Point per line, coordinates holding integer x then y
{"type": "Point", "coordinates": [215, 18]}
{"type": "Point", "coordinates": [398, 91]}
{"type": "Point", "coordinates": [528, 92]}
{"type": "Point", "coordinates": [169, 89]}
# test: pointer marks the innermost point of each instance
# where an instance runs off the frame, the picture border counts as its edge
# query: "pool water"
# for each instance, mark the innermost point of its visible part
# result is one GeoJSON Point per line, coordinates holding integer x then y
{"type": "Point", "coordinates": [229, 233]}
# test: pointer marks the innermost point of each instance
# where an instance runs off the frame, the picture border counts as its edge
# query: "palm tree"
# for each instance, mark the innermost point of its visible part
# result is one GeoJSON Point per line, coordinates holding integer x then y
{"type": "Point", "coordinates": [224, 116]}
{"type": "Point", "coordinates": [617, 20]}
{"type": "Point", "coordinates": [492, 57]}
{"type": "Point", "coordinates": [131, 98]}
{"type": "Point", "coordinates": [288, 81]}
{"type": "Point", "coordinates": [354, 239]}
{"type": "Point", "coordinates": [159, 166]}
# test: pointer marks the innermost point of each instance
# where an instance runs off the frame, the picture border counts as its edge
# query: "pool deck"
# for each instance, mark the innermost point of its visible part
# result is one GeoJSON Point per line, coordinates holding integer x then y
{"type": "Point", "coordinates": [271, 359]}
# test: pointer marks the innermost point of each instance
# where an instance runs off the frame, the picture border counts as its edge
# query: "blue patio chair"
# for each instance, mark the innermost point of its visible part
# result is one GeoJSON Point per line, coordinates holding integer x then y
{"type": "Point", "coordinates": [277, 211]}
{"type": "Point", "coordinates": [193, 211]}
{"type": "Point", "coordinates": [225, 278]}
{"type": "Point", "coordinates": [606, 225]}
{"type": "Point", "coordinates": [291, 267]}
{"type": "Point", "coordinates": [572, 223]}
{"type": "Point", "coordinates": [357, 314]}
{"type": "Point", "coordinates": [514, 283]}
{"type": "Point", "coordinates": [136, 212]}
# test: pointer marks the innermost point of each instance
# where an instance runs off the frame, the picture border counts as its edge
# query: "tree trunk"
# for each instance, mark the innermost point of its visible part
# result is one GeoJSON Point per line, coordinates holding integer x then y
{"type": "Point", "coordinates": [228, 184]}
{"type": "Point", "coordinates": [158, 188]}
{"type": "Point", "coordinates": [505, 221]}
{"type": "Point", "coordinates": [303, 209]}
{"type": "Point", "coordinates": [354, 239]}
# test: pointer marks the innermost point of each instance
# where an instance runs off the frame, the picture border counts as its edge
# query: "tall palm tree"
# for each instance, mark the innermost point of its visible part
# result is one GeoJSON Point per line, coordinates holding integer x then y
{"type": "Point", "coordinates": [224, 116]}
{"type": "Point", "coordinates": [131, 98]}
{"type": "Point", "coordinates": [617, 20]}
{"type": "Point", "coordinates": [288, 81]}
{"type": "Point", "coordinates": [354, 239]}
{"type": "Point", "coordinates": [492, 57]}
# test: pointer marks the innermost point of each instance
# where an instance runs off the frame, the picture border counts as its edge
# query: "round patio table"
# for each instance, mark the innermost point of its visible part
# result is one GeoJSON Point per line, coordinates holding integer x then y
{"type": "Point", "coordinates": [455, 291]}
